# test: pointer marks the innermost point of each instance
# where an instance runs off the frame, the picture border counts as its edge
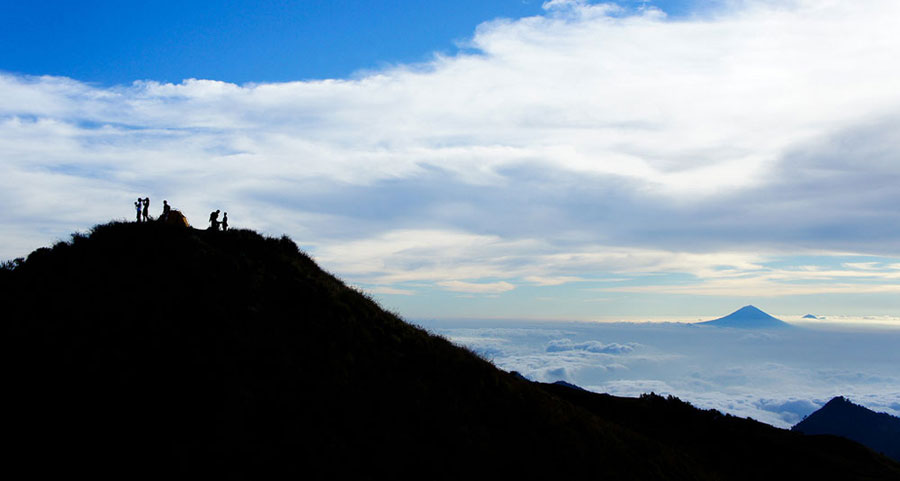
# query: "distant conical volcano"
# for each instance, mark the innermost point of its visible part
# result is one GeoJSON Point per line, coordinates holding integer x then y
{"type": "Point", "coordinates": [747, 317]}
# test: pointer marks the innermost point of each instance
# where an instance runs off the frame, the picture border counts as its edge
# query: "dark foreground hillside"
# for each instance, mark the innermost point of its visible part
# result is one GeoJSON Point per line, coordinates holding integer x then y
{"type": "Point", "coordinates": [734, 447]}
{"type": "Point", "coordinates": [153, 350]}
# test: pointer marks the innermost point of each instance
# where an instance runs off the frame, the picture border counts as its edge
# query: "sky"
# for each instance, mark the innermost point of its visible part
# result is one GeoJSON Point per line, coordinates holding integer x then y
{"type": "Point", "coordinates": [558, 160]}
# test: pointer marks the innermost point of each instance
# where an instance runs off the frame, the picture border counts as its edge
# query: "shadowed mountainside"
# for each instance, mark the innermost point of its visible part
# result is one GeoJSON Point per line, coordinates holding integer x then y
{"type": "Point", "coordinates": [840, 417]}
{"type": "Point", "coordinates": [143, 350]}
{"type": "Point", "coordinates": [734, 447]}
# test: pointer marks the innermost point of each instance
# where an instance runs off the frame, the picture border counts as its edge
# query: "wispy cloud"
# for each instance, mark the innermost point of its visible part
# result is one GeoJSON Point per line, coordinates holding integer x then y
{"type": "Point", "coordinates": [477, 287]}
{"type": "Point", "coordinates": [390, 290]}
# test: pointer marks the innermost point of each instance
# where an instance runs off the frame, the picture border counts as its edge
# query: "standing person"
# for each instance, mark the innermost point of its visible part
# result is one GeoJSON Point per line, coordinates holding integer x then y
{"type": "Point", "coordinates": [146, 209]}
{"type": "Point", "coordinates": [165, 215]}
{"type": "Point", "coordinates": [214, 220]}
{"type": "Point", "coordinates": [137, 208]}
{"type": "Point", "coordinates": [225, 222]}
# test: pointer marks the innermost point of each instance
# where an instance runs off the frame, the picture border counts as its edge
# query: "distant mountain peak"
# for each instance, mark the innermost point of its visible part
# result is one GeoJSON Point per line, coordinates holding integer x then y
{"type": "Point", "coordinates": [569, 385]}
{"type": "Point", "coordinates": [841, 417]}
{"type": "Point", "coordinates": [839, 400]}
{"type": "Point", "coordinates": [747, 317]}
{"type": "Point", "coordinates": [810, 316]}
{"type": "Point", "coordinates": [750, 308]}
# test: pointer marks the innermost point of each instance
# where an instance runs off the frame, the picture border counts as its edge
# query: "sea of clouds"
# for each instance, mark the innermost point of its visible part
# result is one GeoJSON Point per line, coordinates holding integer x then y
{"type": "Point", "coordinates": [776, 377]}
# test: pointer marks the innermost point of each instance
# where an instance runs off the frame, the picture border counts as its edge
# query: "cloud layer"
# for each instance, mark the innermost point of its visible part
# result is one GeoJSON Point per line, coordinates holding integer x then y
{"type": "Point", "coordinates": [774, 377]}
{"type": "Point", "coordinates": [590, 143]}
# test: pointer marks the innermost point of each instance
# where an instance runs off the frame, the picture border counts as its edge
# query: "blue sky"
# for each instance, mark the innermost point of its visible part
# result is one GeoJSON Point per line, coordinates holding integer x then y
{"type": "Point", "coordinates": [114, 42]}
{"type": "Point", "coordinates": [512, 159]}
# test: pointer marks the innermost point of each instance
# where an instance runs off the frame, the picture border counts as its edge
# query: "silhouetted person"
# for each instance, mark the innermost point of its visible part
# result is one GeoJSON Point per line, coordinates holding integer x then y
{"type": "Point", "coordinates": [165, 214]}
{"type": "Point", "coordinates": [137, 208]}
{"type": "Point", "coordinates": [214, 220]}
{"type": "Point", "coordinates": [146, 209]}
{"type": "Point", "coordinates": [225, 222]}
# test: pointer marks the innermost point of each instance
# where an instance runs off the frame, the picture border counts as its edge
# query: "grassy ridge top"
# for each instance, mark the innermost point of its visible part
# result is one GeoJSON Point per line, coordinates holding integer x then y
{"type": "Point", "coordinates": [146, 348]}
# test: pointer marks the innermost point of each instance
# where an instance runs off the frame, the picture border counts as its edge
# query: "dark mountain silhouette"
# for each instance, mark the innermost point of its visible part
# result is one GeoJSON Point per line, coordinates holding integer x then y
{"type": "Point", "coordinates": [568, 385]}
{"type": "Point", "coordinates": [151, 350]}
{"type": "Point", "coordinates": [736, 448]}
{"type": "Point", "coordinates": [747, 317]}
{"type": "Point", "coordinates": [840, 417]}
{"type": "Point", "coordinates": [810, 316]}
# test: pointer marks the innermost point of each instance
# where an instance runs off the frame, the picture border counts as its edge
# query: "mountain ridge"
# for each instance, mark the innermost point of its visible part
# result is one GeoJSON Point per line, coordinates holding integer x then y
{"type": "Point", "coordinates": [254, 362]}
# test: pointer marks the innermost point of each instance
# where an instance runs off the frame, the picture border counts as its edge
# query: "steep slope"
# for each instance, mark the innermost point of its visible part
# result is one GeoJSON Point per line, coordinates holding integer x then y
{"type": "Point", "coordinates": [747, 317]}
{"type": "Point", "coordinates": [840, 417]}
{"type": "Point", "coordinates": [148, 346]}
{"type": "Point", "coordinates": [147, 350]}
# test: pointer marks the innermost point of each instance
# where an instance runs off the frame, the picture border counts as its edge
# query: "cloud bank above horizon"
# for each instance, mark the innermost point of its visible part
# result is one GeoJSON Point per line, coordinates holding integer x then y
{"type": "Point", "coordinates": [592, 156]}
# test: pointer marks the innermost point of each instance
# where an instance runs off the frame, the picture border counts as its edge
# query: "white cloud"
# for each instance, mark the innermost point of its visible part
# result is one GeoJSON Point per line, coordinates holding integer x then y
{"type": "Point", "coordinates": [770, 282]}
{"type": "Point", "coordinates": [552, 281]}
{"type": "Point", "coordinates": [683, 105]}
{"type": "Point", "coordinates": [756, 288]}
{"type": "Point", "coordinates": [562, 345]}
{"type": "Point", "coordinates": [477, 287]}
{"type": "Point", "coordinates": [390, 290]}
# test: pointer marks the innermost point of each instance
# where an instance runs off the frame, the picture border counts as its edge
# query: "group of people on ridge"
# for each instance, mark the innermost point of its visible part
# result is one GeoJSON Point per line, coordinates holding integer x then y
{"type": "Point", "coordinates": [214, 222]}
{"type": "Point", "coordinates": [142, 213]}
{"type": "Point", "coordinates": [142, 209]}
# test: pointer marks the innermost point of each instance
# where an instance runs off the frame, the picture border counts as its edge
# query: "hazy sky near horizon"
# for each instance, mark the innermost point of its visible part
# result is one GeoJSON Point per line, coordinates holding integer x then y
{"type": "Point", "coordinates": [512, 159]}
